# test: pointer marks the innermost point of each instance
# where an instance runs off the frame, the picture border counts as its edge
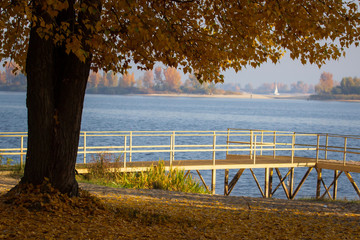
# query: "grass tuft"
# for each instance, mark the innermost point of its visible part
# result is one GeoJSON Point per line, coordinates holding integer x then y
{"type": "Point", "coordinates": [155, 178]}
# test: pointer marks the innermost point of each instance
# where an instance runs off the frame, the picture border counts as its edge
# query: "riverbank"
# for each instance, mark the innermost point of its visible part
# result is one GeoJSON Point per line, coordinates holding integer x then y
{"type": "Point", "coordinates": [240, 96]}
{"type": "Point", "coordinates": [158, 214]}
{"type": "Point", "coordinates": [336, 97]}
{"type": "Point", "coordinates": [342, 98]}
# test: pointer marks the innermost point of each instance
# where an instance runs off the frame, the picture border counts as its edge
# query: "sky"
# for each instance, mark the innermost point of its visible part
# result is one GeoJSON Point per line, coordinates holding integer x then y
{"type": "Point", "coordinates": [289, 71]}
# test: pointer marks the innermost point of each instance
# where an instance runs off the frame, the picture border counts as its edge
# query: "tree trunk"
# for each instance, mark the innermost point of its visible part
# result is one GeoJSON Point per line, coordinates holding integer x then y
{"type": "Point", "coordinates": [55, 96]}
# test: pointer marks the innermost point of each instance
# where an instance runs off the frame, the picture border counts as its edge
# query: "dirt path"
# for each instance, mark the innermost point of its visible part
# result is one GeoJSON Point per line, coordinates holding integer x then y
{"type": "Point", "coordinates": [341, 208]}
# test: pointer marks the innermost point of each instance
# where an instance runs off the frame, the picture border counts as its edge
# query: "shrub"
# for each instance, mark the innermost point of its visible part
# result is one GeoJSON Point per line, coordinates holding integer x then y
{"type": "Point", "coordinates": [102, 170]}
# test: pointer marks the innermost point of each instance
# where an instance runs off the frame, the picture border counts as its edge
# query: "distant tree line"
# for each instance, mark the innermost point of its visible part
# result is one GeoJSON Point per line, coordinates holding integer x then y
{"type": "Point", "coordinates": [152, 81]}
{"type": "Point", "coordinates": [348, 88]}
{"type": "Point", "coordinates": [168, 80]}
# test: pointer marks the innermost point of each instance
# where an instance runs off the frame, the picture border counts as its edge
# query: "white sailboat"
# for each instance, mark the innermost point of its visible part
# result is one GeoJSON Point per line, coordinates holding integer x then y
{"type": "Point", "coordinates": [276, 92]}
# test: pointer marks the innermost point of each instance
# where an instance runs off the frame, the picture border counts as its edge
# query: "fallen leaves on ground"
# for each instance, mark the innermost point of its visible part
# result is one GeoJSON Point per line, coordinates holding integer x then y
{"type": "Point", "coordinates": [35, 214]}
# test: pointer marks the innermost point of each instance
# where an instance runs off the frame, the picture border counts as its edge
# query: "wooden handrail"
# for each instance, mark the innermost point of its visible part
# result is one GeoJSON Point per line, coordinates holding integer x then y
{"type": "Point", "coordinates": [230, 142]}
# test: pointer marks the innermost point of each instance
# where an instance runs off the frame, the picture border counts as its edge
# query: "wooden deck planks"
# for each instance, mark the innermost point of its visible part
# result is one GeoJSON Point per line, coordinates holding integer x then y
{"type": "Point", "coordinates": [241, 162]}
{"type": "Point", "coordinates": [338, 165]}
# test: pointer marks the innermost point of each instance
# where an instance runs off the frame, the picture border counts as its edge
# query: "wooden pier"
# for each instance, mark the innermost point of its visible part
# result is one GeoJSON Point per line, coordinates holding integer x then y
{"type": "Point", "coordinates": [237, 149]}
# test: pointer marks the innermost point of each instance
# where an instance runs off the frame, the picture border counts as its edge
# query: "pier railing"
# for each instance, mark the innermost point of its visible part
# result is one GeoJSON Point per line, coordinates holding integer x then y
{"type": "Point", "coordinates": [177, 145]}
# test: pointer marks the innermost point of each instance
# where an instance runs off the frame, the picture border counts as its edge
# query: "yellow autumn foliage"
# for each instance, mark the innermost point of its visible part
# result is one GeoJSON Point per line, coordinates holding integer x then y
{"type": "Point", "coordinates": [202, 36]}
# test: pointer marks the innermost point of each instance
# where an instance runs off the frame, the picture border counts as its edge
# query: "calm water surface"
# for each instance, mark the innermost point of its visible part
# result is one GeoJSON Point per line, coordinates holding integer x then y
{"type": "Point", "coordinates": [131, 113]}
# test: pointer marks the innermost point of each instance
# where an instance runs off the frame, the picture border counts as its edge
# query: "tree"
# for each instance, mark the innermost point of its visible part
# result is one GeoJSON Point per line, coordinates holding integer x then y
{"type": "Point", "coordinates": [139, 83]}
{"type": "Point", "coordinates": [299, 87]}
{"type": "Point", "coordinates": [209, 87]}
{"type": "Point", "coordinates": [265, 88]}
{"type": "Point", "coordinates": [57, 42]}
{"type": "Point", "coordinates": [198, 88]}
{"type": "Point", "coordinates": [172, 79]}
{"type": "Point", "coordinates": [104, 80]}
{"type": "Point", "coordinates": [326, 83]}
{"type": "Point", "coordinates": [2, 78]}
{"type": "Point", "coordinates": [148, 79]}
{"type": "Point", "coordinates": [94, 79]}
{"type": "Point", "coordinates": [350, 85]}
{"type": "Point", "coordinates": [249, 88]}
{"type": "Point", "coordinates": [233, 87]}
{"type": "Point", "coordinates": [127, 80]}
{"type": "Point", "coordinates": [282, 87]}
{"type": "Point", "coordinates": [159, 82]}
{"type": "Point", "coordinates": [112, 79]}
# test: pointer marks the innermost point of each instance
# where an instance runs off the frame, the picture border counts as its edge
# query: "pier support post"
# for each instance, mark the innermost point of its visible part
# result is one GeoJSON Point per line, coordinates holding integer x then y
{"type": "Point", "coordinates": [226, 182]}
{"type": "Point", "coordinates": [266, 190]}
{"type": "Point", "coordinates": [202, 180]}
{"type": "Point", "coordinates": [318, 185]}
{"type": "Point", "coordinates": [291, 182]}
{"type": "Point", "coordinates": [268, 182]}
{"type": "Point", "coordinates": [352, 181]}
{"type": "Point", "coordinates": [336, 172]}
{"type": "Point", "coordinates": [213, 181]}
{"type": "Point", "coordinates": [271, 172]}
{"type": "Point", "coordinates": [234, 181]}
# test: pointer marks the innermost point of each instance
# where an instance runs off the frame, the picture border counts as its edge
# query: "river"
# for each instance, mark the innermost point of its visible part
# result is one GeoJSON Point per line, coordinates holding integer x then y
{"type": "Point", "coordinates": [134, 113]}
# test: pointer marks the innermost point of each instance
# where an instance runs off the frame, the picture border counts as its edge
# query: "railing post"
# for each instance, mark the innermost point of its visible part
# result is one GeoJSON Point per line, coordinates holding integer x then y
{"type": "Point", "coordinates": [227, 141]}
{"type": "Point", "coordinates": [345, 143]}
{"type": "Point", "coordinates": [172, 153]}
{"type": "Point", "coordinates": [84, 147]}
{"type": "Point", "coordinates": [326, 145]}
{"type": "Point", "coordinates": [254, 151]}
{"type": "Point", "coordinates": [317, 148]}
{"type": "Point", "coordinates": [174, 143]}
{"type": "Point", "coordinates": [213, 179]}
{"type": "Point", "coordinates": [22, 152]}
{"type": "Point", "coordinates": [130, 147]}
{"type": "Point", "coordinates": [125, 151]}
{"type": "Point", "coordinates": [251, 143]}
{"type": "Point", "coordinates": [214, 147]}
{"type": "Point", "coordinates": [262, 141]}
{"type": "Point", "coordinates": [293, 147]}
{"type": "Point", "coordinates": [171, 147]}
{"type": "Point", "coordinates": [274, 153]}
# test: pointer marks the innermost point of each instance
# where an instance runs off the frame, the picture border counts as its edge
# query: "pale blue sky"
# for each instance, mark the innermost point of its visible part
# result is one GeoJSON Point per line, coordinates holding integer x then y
{"type": "Point", "coordinates": [289, 71]}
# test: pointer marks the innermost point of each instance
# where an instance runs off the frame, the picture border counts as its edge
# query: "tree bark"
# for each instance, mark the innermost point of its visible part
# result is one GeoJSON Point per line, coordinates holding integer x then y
{"type": "Point", "coordinates": [55, 96]}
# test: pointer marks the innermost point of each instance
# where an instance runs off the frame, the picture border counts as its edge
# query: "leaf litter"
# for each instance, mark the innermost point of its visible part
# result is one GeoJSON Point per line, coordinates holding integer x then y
{"type": "Point", "coordinates": [41, 212]}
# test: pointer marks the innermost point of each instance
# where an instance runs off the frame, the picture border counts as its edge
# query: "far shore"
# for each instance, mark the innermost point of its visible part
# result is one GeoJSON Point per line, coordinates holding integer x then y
{"type": "Point", "coordinates": [242, 96]}
{"type": "Point", "coordinates": [233, 96]}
